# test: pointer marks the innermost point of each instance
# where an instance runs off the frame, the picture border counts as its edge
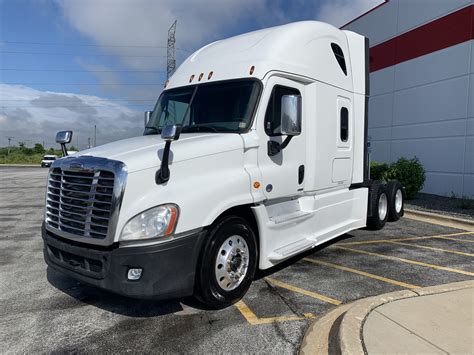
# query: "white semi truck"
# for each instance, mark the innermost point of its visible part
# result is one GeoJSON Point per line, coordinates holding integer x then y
{"type": "Point", "coordinates": [256, 151]}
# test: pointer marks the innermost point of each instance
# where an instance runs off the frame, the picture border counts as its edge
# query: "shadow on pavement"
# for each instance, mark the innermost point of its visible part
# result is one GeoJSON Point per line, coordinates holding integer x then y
{"type": "Point", "coordinates": [114, 303]}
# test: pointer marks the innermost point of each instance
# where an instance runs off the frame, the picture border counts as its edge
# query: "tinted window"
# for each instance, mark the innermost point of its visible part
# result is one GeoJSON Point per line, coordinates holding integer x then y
{"type": "Point", "coordinates": [217, 107]}
{"type": "Point", "coordinates": [339, 57]}
{"type": "Point", "coordinates": [273, 114]}
{"type": "Point", "coordinates": [344, 124]}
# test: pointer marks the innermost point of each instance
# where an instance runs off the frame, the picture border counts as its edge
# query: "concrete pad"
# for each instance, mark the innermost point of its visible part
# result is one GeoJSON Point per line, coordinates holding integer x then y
{"type": "Point", "coordinates": [444, 319]}
{"type": "Point", "coordinates": [383, 336]}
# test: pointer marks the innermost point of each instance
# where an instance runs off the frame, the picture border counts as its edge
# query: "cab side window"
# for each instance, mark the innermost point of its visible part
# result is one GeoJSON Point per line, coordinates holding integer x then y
{"type": "Point", "coordinates": [272, 116]}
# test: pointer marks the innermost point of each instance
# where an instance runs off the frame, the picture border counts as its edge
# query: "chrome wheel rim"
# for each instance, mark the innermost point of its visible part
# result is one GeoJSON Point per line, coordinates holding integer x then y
{"type": "Point", "coordinates": [232, 263]}
{"type": "Point", "coordinates": [383, 204]}
{"type": "Point", "coordinates": [398, 201]}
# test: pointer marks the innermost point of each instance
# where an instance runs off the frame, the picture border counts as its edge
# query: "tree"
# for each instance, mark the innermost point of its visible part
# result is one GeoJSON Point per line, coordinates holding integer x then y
{"type": "Point", "coordinates": [21, 144]}
{"type": "Point", "coordinates": [38, 148]}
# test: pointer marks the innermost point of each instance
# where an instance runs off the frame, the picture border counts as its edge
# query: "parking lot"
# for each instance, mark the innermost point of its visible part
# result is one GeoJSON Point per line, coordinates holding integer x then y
{"type": "Point", "coordinates": [44, 311]}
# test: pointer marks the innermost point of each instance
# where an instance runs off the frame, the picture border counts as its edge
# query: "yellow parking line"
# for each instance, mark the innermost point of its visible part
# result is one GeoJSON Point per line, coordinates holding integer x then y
{"type": "Point", "coordinates": [457, 239]}
{"type": "Point", "coordinates": [414, 262]}
{"type": "Point", "coordinates": [303, 291]}
{"type": "Point", "coordinates": [431, 248]}
{"type": "Point", "coordinates": [254, 320]}
{"type": "Point", "coordinates": [363, 273]}
{"type": "Point", "coordinates": [441, 236]}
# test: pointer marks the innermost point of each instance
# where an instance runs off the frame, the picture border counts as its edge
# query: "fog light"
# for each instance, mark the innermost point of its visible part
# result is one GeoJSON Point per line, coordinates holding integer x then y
{"type": "Point", "coordinates": [134, 274]}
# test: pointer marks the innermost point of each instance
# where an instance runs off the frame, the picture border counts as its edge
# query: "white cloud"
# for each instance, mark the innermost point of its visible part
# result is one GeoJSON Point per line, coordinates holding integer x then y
{"type": "Point", "coordinates": [146, 23]}
{"type": "Point", "coordinates": [340, 12]}
{"type": "Point", "coordinates": [36, 116]}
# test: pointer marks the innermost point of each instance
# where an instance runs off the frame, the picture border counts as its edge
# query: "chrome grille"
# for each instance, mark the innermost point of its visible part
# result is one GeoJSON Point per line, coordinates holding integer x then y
{"type": "Point", "coordinates": [80, 202]}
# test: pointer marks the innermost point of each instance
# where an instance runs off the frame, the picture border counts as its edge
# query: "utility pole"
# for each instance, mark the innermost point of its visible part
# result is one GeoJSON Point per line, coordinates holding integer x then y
{"type": "Point", "coordinates": [95, 135]}
{"type": "Point", "coordinates": [89, 142]}
{"type": "Point", "coordinates": [171, 51]}
{"type": "Point", "coordinates": [9, 144]}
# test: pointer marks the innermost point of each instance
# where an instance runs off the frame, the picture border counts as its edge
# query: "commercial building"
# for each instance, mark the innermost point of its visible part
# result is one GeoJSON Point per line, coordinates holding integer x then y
{"type": "Point", "coordinates": [422, 88]}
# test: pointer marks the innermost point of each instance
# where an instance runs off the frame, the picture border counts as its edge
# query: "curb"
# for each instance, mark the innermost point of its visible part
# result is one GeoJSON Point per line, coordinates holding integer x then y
{"type": "Point", "coordinates": [352, 316]}
{"type": "Point", "coordinates": [435, 218]}
{"type": "Point", "coordinates": [20, 166]}
{"type": "Point", "coordinates": [350, 331]}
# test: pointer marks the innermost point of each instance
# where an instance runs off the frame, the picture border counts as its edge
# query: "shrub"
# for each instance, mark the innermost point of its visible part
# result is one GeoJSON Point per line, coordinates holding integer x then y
{"type": "Point", "coordinates": [378, 170]}
{"type": "Point", "coordinates": [410, 173]}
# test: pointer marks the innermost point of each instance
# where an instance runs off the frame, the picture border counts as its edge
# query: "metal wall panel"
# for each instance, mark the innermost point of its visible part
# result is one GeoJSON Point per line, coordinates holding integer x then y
{"type": "Point", "coordinates": [380, 111]}
{"type": "Point", "coordinates": [440, 65]}
{"type": "Point", "coordinates": [379, 25]}
{"type": "Point", "coordinates": [438, 101]}
{"type": "Point", "coordinates": [381, 81]}
{"type": "Point", "coordinates": [413, 13]}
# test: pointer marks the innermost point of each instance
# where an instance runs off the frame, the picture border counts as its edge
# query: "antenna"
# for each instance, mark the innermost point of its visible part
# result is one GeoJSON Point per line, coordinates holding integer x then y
{"type": "Point", "coordinates": [171, 51]}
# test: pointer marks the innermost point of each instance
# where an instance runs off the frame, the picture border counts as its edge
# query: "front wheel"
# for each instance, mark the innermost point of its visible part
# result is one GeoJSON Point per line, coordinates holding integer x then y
{"type": "Point", "coordinates": [227, 264]}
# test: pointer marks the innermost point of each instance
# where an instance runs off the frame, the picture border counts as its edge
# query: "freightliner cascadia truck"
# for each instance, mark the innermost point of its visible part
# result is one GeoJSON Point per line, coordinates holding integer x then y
{"type": "Point", "coordinates": [255, 151]}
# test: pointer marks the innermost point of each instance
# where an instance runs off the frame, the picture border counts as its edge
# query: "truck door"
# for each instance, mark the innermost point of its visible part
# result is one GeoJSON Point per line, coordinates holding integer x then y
{"type": "Point", "coordinates": [283, 173]}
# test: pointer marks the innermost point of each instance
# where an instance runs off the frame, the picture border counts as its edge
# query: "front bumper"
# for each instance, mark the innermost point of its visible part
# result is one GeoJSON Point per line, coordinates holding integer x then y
{"type": "Point", "coordinates": [168, 268]}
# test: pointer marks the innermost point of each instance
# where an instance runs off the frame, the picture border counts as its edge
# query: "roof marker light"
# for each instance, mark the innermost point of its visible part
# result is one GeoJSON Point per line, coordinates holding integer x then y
{"type": "Point", "coordinates": [210, 75]}
{"type": "Point", "coordinates": [191, 78]}
{"type": "Point", "coordinates": [252, 69]}
{"type": "Point", "coordinates": [200, 76]}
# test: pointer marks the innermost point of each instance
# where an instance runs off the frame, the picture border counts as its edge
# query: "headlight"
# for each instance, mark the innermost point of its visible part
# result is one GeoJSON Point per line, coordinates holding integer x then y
{"type": "Point", "coordinates": [156, 222]}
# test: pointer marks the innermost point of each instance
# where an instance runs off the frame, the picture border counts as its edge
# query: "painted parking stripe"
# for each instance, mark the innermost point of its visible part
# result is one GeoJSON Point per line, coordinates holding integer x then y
{"type": "Point", "coordinates": [457, 239]}
{"type": "Point", "coordinates": [303, 291]}
{"type": "Point", "coordinates": [414, 262]}
{"type": "Point", "coordinates": [440, 236]}
{"type": "Point", "coordinates": [254, 320]}
{"type": "Point", "coordinates": [433, 248]}
{"type": "Point", "coordinates": [362, 273]}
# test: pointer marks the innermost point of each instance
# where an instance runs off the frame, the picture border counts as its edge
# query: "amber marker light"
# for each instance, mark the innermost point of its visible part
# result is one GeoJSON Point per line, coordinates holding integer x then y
{"type": "Point", "coordinates": [191, 78]}
{"type": "Point", "coordinates": [256, 184]}
{"type": "Point", "coordinates": [200, 76]}
{"type": "Point", "coordinates": [252, 69]}
{"type": "Point", "coordinates": [210, 75]}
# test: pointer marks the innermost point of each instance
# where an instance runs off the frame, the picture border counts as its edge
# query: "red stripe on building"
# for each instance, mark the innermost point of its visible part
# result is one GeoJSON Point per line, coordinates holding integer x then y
{"type": "Point", "coordinates": [447, 31]}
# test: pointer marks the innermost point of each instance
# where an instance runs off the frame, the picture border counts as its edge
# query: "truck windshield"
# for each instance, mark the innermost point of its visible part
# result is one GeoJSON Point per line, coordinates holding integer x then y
{"type": "Point", "coordinates": [217, 107]}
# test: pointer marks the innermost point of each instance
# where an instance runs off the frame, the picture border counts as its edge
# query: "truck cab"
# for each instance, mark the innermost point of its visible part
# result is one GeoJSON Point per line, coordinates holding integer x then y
{"type": "Point", "coordinates": [255, 151]}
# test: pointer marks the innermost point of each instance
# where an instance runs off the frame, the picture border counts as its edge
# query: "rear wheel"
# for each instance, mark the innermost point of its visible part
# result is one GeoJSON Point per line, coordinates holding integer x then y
{"type": "Point", "coordinates": [396, 199]}
{"type": "Point", "coordinates": [379, 208]}
{"type": "Point", "coordinates": [227, 264]}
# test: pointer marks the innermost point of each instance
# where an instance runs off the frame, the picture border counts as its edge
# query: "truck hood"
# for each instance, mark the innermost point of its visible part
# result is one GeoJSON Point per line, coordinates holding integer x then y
{"type": "Point", "coordinates": [145, 152]}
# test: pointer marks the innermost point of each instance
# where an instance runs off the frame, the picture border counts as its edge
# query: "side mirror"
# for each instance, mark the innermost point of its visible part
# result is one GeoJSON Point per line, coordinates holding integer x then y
{"type": "Point", "coordinates": [168, 133]}
{"type": "Point", "coordinates": [64, 137]}
{"type": "Point", "coordinates": [147, 116]}
{"type": "Point", "coordinates": [171, 132]}
{"type": "Point", "coordinates": [291, 115]}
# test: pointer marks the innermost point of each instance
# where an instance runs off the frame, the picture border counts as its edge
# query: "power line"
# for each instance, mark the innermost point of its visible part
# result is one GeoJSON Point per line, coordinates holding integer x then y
{"type": "Point", "coordinates": [83, 71]}
{"type": "Point", "coordinates": [105, 100]}
{"type": "Point", "coordinates": [84, 84]}
{"type": "Point", "coordinates": [85, 55]}
{"type": "Point", "coordinates": [90, 45]}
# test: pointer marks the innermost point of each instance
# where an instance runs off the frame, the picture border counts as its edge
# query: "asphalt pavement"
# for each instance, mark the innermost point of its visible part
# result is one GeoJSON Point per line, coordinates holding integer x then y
{"type": "Point", "coordinates": [45, 311]}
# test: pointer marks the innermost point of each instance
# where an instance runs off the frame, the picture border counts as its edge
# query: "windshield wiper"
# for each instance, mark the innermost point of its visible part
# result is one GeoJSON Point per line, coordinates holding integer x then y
{"type": "Point", "coordinates": [152, 130]}
{"type": "Point", "coordinates": [191, 129]}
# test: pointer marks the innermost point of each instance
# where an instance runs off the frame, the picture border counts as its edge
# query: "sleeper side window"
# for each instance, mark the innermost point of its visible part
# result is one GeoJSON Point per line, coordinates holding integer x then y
{"type": "Point", "coordinates": [273, 114]}
{"type": "Point", "coordinates": [344, 116]}
{"type": "Point", "coordinates": [339, 57]}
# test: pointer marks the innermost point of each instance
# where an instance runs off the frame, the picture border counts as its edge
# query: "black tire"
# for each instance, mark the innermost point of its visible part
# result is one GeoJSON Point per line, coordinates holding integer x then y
{"type": "Point", "coordinates": [208, 290]}
{"type": "Point", "coordinates": [376, 221]}
{"type": "Point", "coordinates": [396, 200]}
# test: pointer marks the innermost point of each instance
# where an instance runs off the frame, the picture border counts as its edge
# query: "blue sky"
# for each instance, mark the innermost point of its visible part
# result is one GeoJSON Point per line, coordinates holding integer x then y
{"type": "Point", "coordinates": [70, 64]}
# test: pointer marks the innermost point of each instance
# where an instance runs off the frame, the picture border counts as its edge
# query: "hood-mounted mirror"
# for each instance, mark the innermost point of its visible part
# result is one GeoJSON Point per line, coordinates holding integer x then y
{"type": "Point", "coordinates": [63, 138]}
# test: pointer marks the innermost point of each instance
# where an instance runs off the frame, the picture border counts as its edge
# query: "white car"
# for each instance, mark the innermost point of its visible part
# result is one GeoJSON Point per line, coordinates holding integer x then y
{"type": "Point", "coordinates": [48, 160]}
